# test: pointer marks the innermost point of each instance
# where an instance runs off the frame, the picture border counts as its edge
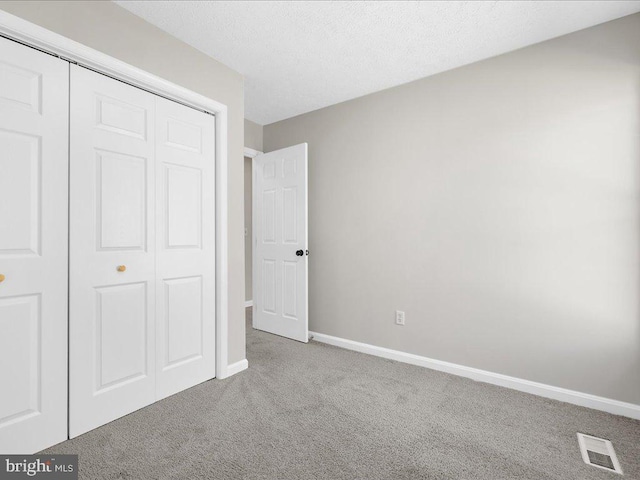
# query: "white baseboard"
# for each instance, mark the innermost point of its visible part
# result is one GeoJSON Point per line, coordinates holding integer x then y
{"type": "Point", "coordinates": [564, 395]}
{"type": "Point", "coordinates": [248, 303]}
{"type": "Point", "coordinates": [237, 367]}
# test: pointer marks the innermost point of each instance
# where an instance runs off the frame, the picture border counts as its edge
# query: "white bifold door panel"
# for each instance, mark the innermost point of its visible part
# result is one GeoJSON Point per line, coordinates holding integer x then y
{"type": "Point", "coordinates": [280, 256]}
{"type": "Point", "coordinates": [142, 266]}
{"type": "Point", "coordinates": [34, 90]}
{"type": "Point", "coordinates": [185, 247]}
{"type": "Point", "coordinates": [112, 250]}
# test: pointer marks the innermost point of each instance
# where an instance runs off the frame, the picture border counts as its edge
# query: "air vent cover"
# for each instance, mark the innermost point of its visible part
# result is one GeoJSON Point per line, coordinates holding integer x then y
{"type": "Point", "coordinates": [599, 453]}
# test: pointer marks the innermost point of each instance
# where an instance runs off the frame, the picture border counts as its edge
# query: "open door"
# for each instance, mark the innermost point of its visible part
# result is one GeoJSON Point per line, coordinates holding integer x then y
{"type": "Point", "coordinates": [280, 262]}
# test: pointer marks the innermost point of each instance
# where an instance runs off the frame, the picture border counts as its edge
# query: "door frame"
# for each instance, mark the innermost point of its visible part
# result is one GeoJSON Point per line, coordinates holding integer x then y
{"type": "Point", "coordinates": [32, 35]}
{"type": "Point", "coordinates": [250, 153]}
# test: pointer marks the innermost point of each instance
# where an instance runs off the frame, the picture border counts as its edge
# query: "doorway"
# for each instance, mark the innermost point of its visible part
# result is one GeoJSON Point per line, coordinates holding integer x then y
{"type": "Point", "coordinates": [279, 241]}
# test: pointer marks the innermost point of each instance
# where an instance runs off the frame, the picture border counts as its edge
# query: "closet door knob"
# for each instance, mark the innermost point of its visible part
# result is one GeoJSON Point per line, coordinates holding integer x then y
{"type": "Point", "coordinates": [2, 277]}
{"type": "Point", "coordinates": [121, 268]}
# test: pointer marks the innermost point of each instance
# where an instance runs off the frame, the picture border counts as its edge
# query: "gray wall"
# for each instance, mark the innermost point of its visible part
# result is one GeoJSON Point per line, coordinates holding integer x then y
{"type": "Point", "coordinates": [497, 204]}
{"type": "Point", "coordinates": [111, 29]}
{"type": "Point", "coordinates": [253, 135]}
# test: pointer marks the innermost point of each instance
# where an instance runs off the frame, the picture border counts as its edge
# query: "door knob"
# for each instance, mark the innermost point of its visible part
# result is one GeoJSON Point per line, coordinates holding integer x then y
{"type": "Point", "coordinates": [299, 253]}
{"type": "Point", "coordinates": [2, 277]}
{"type": "Point", "coordinates": [121, 268]}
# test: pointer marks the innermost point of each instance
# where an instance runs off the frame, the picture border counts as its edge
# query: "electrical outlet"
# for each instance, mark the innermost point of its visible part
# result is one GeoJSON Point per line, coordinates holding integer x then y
{"type": "Point", "coordinates": [399, 317]}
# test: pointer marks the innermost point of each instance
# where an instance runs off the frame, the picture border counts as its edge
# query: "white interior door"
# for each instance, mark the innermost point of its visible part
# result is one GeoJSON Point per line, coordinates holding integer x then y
{"type": "Point", "coordinates": [33, 248]}
{"type": "Point", "coordinates": [280, 275]}
{"type": "Point", "coordinates": [185, 246]}
{"type": "Point", "coordinates": [112, 244]}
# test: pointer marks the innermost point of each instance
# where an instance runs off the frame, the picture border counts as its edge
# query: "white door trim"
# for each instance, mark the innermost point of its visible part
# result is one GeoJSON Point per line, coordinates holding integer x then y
{"type": "Point", "coordinates": [16, 28]}
{"type": "Point", "coordinates": [251, 153]}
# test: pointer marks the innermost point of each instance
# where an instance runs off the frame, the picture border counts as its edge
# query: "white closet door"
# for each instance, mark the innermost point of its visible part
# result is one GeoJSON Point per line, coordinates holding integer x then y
{"type": "Point", "coordinates": [112, 252]}
{"type": "Point", "coordinates": [185, 246]}
{"type": "Point", "coordinates": [34, 90]}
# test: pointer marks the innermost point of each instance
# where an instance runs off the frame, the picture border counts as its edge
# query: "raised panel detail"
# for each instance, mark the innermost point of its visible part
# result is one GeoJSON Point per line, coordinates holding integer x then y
{"type": "Point", "coordinates": [289, 289]}
{"type": "Point", "coordinates": [183, 206]}
{"type": "Point", "coordinates": [20, 343]}
{"type": "Point", "coordinates": [184, 135]}
{"type": "Point", "coordinates": [20, 88]}
{"type": "Point", "coordinates": [289, 215]}
{"type": "Point", "coordinates": [20, 185]}
{"type": "Point", "coordinates": [289, 168]}
{"type": "Point", "coordinates": [269, 286]}
{"type": "Point", "coordinates": [269, 216]}
{"type": "Point", "coordinates": [121, 206]}
{"type": "Point", "coordinates": [269, 171]}
{"type": "Point", "coordinates": [120, 117]}
{"type": "Point", "coordinates": [121, 333]}
{"type": "Point", "coordinates": [183, 320]}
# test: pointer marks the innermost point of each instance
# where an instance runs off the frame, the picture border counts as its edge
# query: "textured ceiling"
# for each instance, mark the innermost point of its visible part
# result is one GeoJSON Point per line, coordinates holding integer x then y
{"type": "Point", "coordinates": [300, 56]}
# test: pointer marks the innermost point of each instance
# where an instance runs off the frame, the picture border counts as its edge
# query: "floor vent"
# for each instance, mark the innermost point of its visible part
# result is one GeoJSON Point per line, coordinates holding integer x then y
{"type": "Point", "coordinates": [599, 453]}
